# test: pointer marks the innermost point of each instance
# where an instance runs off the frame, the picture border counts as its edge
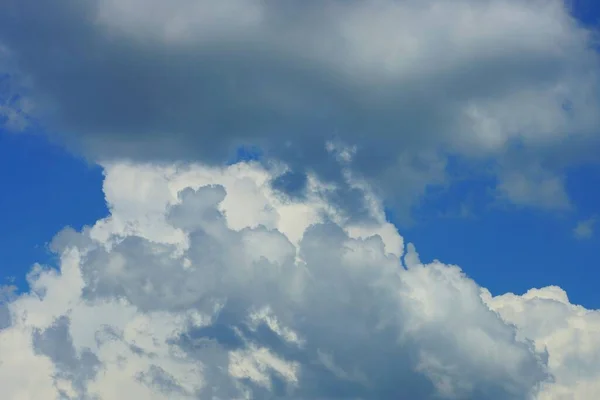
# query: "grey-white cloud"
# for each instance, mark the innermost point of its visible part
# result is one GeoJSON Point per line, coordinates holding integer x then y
{"type": "Point", "coordinates": [204, 283]}
{"type": "Point", "coordinates": [405, 83]}
{"type": "Point", "coordinates": [585, 228]}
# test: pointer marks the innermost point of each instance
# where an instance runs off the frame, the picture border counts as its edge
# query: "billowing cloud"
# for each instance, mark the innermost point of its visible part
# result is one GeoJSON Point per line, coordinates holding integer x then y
{"type": "Point", "coordinates": [569, 333]}
{"type": "Point", "coordinates": [206, 283]}
{"type": "Point", "coordinates": [403, 83]}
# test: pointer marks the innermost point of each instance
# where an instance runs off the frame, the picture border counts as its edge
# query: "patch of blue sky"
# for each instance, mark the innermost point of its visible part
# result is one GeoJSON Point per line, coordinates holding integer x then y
{"type": "Point", "coordinates": [43, 189]}
{"type": "Point", "coordinates": [245, 154]}
{"type": "Point", "coordinates": [508, 248]}
{"type": "Point", "coordinates": [586, 11]}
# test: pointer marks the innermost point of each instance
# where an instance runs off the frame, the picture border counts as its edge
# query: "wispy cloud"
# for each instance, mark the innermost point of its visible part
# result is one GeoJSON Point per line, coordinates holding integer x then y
{"type": "Point", "coordinates": [585, 228]}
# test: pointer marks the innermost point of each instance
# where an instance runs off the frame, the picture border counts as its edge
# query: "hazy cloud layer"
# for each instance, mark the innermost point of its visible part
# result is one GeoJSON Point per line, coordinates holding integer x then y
{"type": "Point", "coordinates": [204, 283]}
{"type": "Point", "coordinates": [404, 83]}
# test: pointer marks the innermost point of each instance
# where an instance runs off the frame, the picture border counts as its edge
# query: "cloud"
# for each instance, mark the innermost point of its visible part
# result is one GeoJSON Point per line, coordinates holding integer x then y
{"type": "Point", "coordinates": [14, 109]}
{"type": "Point", "coordinates": [568, 332]}
{"type": "Point", "coordinates": [406, 84]}
{"type": "Point", "coordinates": [585, 228]}
{"type": "Point", "coordinates": [534, 187]}
{"type": "Point", "coordinates": [204, 282]}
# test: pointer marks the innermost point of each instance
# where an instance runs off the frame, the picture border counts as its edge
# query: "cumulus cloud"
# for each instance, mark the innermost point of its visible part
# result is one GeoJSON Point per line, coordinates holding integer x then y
{"type": "Point", "coordinates": [568, 332]}
{"type": "Point", "coordinates": [404, 83]}
{"type": "Point", "coordinates": [205, 283]}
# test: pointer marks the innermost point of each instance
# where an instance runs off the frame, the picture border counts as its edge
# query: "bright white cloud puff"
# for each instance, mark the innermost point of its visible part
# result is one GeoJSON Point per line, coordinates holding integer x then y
{"type": "Point", "coordinates": [204, 283]}
{"type": "Point", "coordinates": [406, 83]}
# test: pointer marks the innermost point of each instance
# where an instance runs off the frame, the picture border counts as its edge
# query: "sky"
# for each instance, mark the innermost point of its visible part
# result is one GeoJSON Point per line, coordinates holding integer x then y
{"type": "Point", "coordinates": [353, 200]}
{"type": "Point", "coordinates": [512, 249]}
{"type": "Point", "coordinates": [45, 189]}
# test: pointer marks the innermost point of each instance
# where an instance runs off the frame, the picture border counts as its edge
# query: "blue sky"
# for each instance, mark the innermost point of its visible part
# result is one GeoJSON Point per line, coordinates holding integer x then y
{"type": "Point", "coordinates": [587, 11]}
{"type": "Point", "coordinates": [44, 188]}
{"type": "Point", "coordinates": [514, 249]}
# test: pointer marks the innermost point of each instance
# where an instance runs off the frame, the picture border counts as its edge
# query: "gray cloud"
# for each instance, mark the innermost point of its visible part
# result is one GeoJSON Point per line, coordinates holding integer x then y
{"type": "Point", "coordinates": [585, 229]}
{"type": "Point", "coordinates": [408, 83]}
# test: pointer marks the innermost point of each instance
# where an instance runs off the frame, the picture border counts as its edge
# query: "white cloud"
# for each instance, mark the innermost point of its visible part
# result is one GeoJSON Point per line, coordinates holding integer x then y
{"type": "Point", "coordinates": [205, 283]}
{"type": "Point", "coordinates": [585, 228]}
{"type": "Point", "coordinates": [405, 83]}
{"type": "Point", "coordinates": [568, 332]}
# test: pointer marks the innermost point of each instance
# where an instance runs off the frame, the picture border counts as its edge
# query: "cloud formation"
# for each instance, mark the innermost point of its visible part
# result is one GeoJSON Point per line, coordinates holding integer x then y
{"type": "Point", "coordinates": [404, 84]}
{"type": "Point", "coordinates": [206, 283]}
{"type": "Point", "coordinates": [585, 229]}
